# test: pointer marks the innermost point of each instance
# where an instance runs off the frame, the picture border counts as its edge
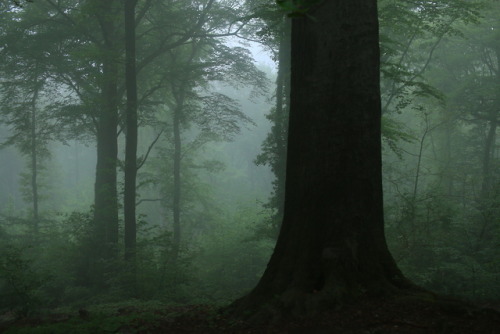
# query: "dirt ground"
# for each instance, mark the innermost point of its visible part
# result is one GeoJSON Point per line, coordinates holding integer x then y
{"type": "Point", "coordinates": [401, 315]}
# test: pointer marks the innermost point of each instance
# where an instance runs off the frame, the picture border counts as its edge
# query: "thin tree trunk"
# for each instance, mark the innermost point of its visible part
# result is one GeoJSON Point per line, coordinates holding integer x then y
{"type": "Point", "coordinates": [34, 161]}
{"type": "Point", "coordinates": [179, 92]}
{"type": "Point", "coordinates": [487, 201]}
{"type": "Point", "coordinates": [413, 200]}
{"type": "Point", "coordinates": [449, 174]}
{"type": "Point", "coordinates": [131, 132]}
{"type": "Point", "coordinates": [176, 207]}
{"type": "Point", "coordinates": [487, 155]}
{"type": "Point", "coordinates": [106, 199]}
{"type": "Point", "coordinates": [489, 144]}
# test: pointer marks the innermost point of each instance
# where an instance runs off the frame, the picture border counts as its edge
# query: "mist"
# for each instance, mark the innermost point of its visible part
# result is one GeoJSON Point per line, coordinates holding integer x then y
{"type": "Point", "coordinates": [186, 115]}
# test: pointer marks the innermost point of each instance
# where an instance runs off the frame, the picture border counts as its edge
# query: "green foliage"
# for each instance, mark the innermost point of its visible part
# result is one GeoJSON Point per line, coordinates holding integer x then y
{"type": "Point", "coordinates": [60, 269]}
{"type": "Point", "coordinates": [19, 282]}
{"type": "Point", "coordinates": [229, 261]}
{"type": "Point", "coordinates": [410, 34]}
{"type": "Point", "coordinates": [297, 8]}
{"type": "Point", "coordinates": [273, 154]}
{"type": "Point", "coordinates": [20, 3]}
{"type": "Point", "coordinates": [441, 203]}
{"type": "Point", "coordinates": [439, 246]}
{"type": "Point", "coordinates": [442, 232]}
{"type": "Point", "coordinates": [393, 135]}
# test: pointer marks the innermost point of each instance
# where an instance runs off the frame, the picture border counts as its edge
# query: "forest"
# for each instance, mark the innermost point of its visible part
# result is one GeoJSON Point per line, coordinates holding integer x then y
{"type": "Point", "coordinates": [213, 166]}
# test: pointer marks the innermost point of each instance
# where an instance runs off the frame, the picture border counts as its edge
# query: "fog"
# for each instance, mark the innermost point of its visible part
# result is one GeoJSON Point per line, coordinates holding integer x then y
{"type": "Point", "coordinates": [212, 109]}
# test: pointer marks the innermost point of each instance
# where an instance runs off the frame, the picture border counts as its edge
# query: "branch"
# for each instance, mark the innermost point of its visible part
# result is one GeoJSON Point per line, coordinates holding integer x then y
{"type": "Point", "coordinates": [422, 70]}
{"type": "Point", "coordinates": [71, 21]}
{"type": "Point", "coordinates": [185, 37]}
{"type": "Point", "coordinates": [140, 164]}
{"type": "Point", "coordinates": [148, 200]}
{"type": "Point", "coordinates": [142, 12]}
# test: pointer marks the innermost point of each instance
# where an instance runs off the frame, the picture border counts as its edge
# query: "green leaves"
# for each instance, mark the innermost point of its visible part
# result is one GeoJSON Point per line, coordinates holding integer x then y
{"type": "Point", "coordinates": [393, 133]}
{"type": "Point", "coordinates": [411, 32]}
{"type": "Point", "coordinates": [297, 8]}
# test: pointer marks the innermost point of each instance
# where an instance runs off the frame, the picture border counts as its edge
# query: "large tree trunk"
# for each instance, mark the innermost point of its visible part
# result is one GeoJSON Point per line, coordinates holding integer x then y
{"type": "Point", "coordinates": [331, 245]}
{"type": "Point", "coordinates": [131, 133]}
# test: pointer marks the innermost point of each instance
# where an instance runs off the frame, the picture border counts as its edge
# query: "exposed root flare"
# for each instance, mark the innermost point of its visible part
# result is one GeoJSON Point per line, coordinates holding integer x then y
{"type": "Point", "coordinates": [294, 304]}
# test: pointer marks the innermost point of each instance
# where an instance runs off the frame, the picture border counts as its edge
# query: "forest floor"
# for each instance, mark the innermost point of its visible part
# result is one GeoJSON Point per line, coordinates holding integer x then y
{"type": "Point", "coordinates": [403, 315]}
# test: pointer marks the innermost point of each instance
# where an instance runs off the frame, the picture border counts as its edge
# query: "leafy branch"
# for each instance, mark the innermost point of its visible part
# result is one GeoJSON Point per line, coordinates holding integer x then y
{"type": "Point", "coordinates": [297, 8]}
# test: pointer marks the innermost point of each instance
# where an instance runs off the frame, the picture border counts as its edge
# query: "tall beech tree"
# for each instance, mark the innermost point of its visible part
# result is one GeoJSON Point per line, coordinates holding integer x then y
{"type": "Point", "coordinates": [404, 24]}
{"type": "Point", "coordinates": [331, 246]}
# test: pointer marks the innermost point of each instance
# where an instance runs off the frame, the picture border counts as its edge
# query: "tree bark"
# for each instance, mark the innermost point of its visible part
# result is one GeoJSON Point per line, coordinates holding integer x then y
{"type": "Point", "coordinates": [331, 246]}
{"type": "Point", "coordinates": [489, 144]}
{"type": "Point", "coordinates": [106, 199]}
{"type": "Point", "coordinates": [176, 207]}
{"type": "Point", "coordinates": [34, 158]}
{"type": "Point", "coordinates": [487, 156]}
{"type": "Point", "coordinates": [131, 132]}
{"type": "Point", "coordinates": [280, 127]}
{"type": "Point", "coordinates": [487, 201]}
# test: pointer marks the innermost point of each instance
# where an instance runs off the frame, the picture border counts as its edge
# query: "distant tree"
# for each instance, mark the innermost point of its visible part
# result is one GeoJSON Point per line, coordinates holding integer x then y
{"type": "Point", "coordinates": [442, 191]}
{"type": "Point", "coordinates": [411, 31]}
{"type": "Point", "coordinates": [31, 130]}
{"type": "Point", "coordinates": [472, 83]}
{"type": "Point", "coordinates": [80, 44]}
{"type": "Point", "coordinates": [106, 14]}
{"type": "Point", "coordinates": [331, 245]}
{"type": "Point", "coordinates": [25, 90]}
{"type": "Point", "coordinates": [195, 102]}
{"type": "Point", "coordinates": [182, 75]}
{"type": "Point", "coordinates": [129, 201]}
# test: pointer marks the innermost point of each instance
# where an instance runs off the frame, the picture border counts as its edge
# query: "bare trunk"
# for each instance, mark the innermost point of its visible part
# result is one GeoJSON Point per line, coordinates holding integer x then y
{"type": "Point", "coordinates": [34, 161]}
{"type": "Point", "coordinates": [487, 198]}
{"type": "Point", "coordinates": [280, 127]}
{"type": "Point", "coordinates": [487, 155]}
{"type": "Point", "coordinates": [131, 133]}
{"type": "Point", "coordinates": [106, 202]}
{"type": "Point", "coordinates": [177, 182]}
{"type": "Point", "coordinates": [331, 246]}
{"type": "Point", "coordinates": [106, 199]}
